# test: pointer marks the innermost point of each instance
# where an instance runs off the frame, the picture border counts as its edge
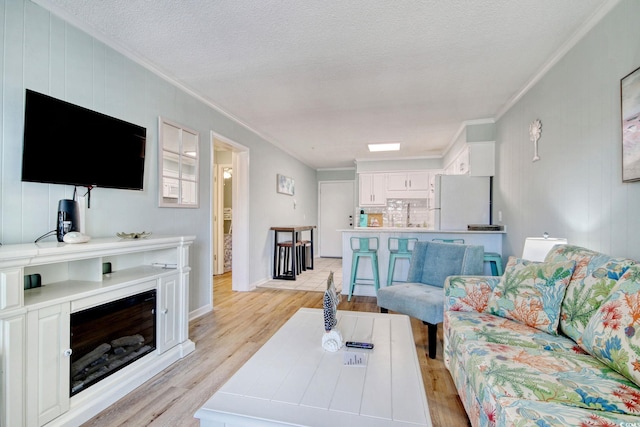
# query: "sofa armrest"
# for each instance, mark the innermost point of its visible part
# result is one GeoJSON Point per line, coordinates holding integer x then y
{"type": "Point", "coordinates": [468, 293]}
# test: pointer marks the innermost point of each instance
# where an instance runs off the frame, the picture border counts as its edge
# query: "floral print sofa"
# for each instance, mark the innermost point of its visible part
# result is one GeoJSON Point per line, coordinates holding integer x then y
{"type": "Point", "coordinates": [547, 344]}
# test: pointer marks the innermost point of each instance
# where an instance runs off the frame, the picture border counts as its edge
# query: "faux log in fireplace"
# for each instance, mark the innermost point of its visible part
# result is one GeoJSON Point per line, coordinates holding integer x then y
{"type": "Point", "coordinates": [109, 337]}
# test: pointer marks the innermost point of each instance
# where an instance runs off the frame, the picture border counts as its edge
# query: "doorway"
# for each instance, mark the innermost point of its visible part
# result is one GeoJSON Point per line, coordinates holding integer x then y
{"type": "Point", "coordinates": [235, 160]}
{"type": "Point", "coordinates": [223, 214]}
{"type": "Point", "coordinates": [336, 205]}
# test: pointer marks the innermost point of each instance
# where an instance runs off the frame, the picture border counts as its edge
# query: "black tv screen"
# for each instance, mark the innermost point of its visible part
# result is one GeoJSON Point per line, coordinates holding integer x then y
{"type": "Point", "coordinates": [68, 144]}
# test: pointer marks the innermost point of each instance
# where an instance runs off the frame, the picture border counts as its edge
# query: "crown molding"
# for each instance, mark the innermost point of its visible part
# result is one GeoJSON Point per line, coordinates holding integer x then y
{"type": "Point", "coordinates": [587, 26]}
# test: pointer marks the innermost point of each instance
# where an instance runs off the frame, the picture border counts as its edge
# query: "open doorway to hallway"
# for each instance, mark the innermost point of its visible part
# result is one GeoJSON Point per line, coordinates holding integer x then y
{"type": "Point", "coordinates": [223, 213]}
{"type": "Point", "coordinates": [230, 211]}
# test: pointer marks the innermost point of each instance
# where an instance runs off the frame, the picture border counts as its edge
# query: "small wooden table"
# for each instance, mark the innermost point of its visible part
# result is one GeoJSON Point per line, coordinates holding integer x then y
{"type": "Point", "coordinates": [291, 380]}
{"type": "Point", "coordinates": [294, 230]}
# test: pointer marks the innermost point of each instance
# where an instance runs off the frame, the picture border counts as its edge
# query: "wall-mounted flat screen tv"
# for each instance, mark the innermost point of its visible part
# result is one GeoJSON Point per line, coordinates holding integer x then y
{"type": "Point", "coordinates": [68, 144]}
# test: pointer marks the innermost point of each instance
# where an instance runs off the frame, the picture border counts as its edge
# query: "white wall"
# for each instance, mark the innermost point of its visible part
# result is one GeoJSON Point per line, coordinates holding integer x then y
{"type": "Point", "coordinates": [575, 190]}
{"type": "Point", "coordinates": [46, 54]}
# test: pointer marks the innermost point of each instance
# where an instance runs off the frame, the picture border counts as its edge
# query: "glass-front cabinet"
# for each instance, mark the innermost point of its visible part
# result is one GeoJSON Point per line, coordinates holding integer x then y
{"type": "Point", "coordinates": [178, 165]}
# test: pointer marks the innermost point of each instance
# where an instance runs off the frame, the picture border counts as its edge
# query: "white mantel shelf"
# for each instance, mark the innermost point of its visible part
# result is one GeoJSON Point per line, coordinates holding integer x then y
{"type": "Point", "coordinates": [45, 252]}
{"type": "Point", "coordinates": [35, 323]}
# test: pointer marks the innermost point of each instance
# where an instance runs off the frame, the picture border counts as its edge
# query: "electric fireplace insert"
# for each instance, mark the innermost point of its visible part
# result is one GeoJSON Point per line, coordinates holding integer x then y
{"type": "Point", "coordinates": [106, 338]}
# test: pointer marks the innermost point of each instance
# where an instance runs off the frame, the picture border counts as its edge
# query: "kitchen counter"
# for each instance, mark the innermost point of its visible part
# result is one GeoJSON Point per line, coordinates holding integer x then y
{"type": "Point", "coordinates": [419, 230]}
{"type": "Point", "coordinates": [491, 240]}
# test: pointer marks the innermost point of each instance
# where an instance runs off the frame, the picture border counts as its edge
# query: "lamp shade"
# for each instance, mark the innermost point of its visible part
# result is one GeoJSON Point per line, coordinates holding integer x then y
{"type": "Point", "coordinates": [537, 248]}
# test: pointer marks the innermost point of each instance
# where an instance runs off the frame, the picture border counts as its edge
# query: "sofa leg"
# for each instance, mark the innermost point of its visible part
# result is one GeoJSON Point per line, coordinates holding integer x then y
{"type": "Point", "coordinates": [432, 334]}
{"type": "Point", "coordinates": [383, 310]}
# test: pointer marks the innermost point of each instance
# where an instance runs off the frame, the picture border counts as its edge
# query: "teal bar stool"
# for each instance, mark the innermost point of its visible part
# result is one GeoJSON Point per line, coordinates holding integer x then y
{"type": "Point", "coordinates": [399, 247]}
{"type": "Point", "coordinates": [364, 247]}
{"type": "Point", "coordinates": [495, 261]}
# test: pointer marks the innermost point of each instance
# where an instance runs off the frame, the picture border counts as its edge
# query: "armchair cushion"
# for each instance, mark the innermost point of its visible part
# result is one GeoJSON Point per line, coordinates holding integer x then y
{"type": "Point", "coordinates": [422, 296]}
{"type": "Point", "coordinates": [432, 262]}
{"type": "Point", "coordinates": [424, 302]}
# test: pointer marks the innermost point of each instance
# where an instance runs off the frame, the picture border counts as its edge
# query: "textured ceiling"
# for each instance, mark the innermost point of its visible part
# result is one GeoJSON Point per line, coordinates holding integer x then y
{"type": "Point", "coordinates": [321, 79]}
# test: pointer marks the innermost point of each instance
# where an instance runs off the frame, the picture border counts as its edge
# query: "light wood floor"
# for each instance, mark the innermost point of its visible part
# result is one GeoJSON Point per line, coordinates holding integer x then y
{"type": "Point", "coordinates": [226, 338]}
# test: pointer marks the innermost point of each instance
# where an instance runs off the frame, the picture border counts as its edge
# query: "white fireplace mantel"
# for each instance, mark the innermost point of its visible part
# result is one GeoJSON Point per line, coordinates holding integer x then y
{"type": "Point", "coordinates": [35, 323]}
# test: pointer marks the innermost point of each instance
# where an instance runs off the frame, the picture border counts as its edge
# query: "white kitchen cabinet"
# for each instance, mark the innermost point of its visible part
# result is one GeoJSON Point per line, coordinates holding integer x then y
{"type": "Point", "coordinates": [409, 181]}
{"type": "Point", "coordinates": [48, 355]}
{"type": "Point", "coordinates": [408, 185]}
{"type": "Point", "coordinates": [475, 159]}
{"type": "Point", "coordinates": [372, 189]}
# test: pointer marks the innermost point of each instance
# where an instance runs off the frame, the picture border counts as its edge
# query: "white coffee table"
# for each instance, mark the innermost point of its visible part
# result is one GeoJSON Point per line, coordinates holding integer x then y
{"type": "Point", "coordinates": [291, 380]}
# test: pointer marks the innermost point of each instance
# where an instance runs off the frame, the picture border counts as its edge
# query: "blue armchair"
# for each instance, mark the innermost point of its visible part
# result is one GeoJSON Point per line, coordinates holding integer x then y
{"type": "Point", "coordinates": [422, 296]}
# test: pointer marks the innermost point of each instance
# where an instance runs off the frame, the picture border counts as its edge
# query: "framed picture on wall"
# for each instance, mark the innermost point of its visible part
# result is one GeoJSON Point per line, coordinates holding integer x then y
{"type": "Point", "coordinates": [630, 100]}
{"type": "Point", "coordinates": [285, 185]}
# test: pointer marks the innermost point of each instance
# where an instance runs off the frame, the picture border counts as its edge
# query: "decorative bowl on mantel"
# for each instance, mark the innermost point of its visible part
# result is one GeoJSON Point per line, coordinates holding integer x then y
{"type": "Point", "coordinates": [133, 236]}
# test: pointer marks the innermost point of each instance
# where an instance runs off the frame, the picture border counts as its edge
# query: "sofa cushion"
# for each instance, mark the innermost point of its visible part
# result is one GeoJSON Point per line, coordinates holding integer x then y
{"type": "Point", "coordinates": [485, 327]}
{"type": "Point", "coordinates": [593, 278]}
{"type": "Point", "coordinates": [495, 371]}
{"type": "Point", "coordinates": [533, 413]}
{"type": "Point", "coordinates": [532, 293]}
{"type": "Point", "coordinates": [613, 333]}
{"type": "Point", "coordinates": [469, 293]}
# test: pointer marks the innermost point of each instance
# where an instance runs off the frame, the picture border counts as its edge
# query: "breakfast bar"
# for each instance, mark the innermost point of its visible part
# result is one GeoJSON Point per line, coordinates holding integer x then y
{"type": "Point", "coordinates": [491, 240]}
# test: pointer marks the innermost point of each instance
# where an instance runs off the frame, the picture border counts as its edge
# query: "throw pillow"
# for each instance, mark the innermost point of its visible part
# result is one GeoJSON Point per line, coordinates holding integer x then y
{"type": "Point", "coordinates": [531, 293]}
{"type": "Point", "coordinates": [593, 278]}
{"type": "Point", "coordinates": [613, 333]}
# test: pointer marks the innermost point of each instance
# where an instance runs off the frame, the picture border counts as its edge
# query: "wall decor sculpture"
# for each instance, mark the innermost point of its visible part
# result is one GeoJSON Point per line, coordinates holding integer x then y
{"type": "Point", "coordinates": [630, 103]}
{"type": "Point", "coordinates": [535, 130]}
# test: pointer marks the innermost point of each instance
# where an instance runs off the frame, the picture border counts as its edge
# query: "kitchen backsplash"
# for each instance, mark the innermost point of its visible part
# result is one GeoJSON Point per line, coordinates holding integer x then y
{"type": "Point", "coordinates": [403, 213]}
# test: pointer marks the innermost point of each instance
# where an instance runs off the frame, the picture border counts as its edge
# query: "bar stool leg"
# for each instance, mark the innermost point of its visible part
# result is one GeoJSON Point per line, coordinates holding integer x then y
{"type": "Point", "coordinates": [392, 267]}
{"type": "Point", "coordinates": [376, 278]}
{"type": "Point", "coordinates": [354, 270]}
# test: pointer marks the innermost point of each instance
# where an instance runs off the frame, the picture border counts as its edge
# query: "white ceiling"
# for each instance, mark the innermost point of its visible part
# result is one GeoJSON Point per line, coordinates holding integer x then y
{"type": "Point", "coordinates": [322, 78]}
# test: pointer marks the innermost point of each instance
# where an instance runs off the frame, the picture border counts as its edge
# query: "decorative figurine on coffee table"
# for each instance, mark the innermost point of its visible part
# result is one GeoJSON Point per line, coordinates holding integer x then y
{"type": "Point", "coordinates": [331, 339]}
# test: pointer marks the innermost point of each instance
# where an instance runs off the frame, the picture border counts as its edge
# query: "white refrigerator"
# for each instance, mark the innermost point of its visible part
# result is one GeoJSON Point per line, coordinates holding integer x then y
{"type": "Point", "coordinates": [460, 200]}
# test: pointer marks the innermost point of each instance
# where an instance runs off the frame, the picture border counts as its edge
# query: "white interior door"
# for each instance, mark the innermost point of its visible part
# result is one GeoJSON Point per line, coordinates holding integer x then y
{"type": "Point", "coordinates": [336, 213]}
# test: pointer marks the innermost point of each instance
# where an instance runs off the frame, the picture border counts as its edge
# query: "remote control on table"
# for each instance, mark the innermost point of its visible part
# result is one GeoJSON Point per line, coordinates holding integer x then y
{"type": "Point", "coordinates": [354, 344]}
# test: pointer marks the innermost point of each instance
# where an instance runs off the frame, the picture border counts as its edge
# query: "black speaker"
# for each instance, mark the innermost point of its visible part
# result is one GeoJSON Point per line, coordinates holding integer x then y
{"type": "Point", "coordinates": [68, 217]}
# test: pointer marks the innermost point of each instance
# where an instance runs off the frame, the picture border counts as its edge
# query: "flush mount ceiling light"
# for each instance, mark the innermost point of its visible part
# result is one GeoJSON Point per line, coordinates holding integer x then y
{"type": "Point", "coordinates": [392, 146]}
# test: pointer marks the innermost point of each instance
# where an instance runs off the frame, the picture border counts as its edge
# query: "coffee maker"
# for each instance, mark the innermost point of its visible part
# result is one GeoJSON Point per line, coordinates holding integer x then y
{"type": "Point", "coordinates": [68, 218]}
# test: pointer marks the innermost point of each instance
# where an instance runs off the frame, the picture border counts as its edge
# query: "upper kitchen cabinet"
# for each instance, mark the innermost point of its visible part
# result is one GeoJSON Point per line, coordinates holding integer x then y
{"type": "Point", "coordinates": [475, 159]}
{"type": "Point", "coordinates": [408, 185]}
{"type": "Point", "coordinates": [372, 189]}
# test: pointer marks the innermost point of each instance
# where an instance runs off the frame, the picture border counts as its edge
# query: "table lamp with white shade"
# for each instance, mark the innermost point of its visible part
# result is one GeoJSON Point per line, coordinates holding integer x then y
{"type": "Point", "coordinates": [537, 248]}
